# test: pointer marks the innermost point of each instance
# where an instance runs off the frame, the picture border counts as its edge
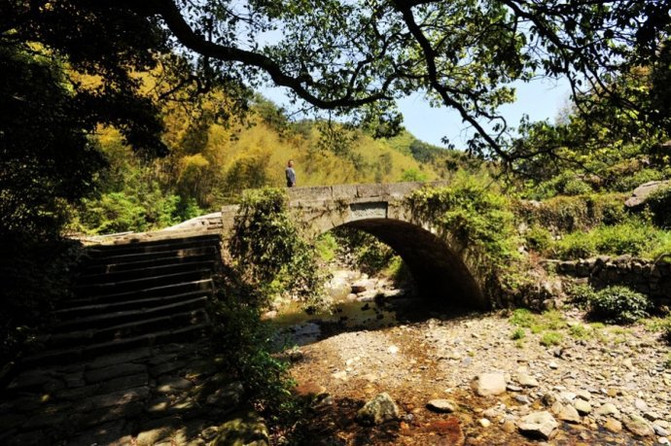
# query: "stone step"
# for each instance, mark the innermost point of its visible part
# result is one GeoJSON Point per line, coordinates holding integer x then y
{"type": "Point", "coordinates": [133, 304]}
{"type": "Point", "coordinates": [118, 329]}
{"type": "Point", "coordinates": [152, 246]}
{"type": "Point", "coordinates": [78, 354]}
{"type": "Point", "coordinates": [142, 283]}
{"type": "Point", "coordinates": [102, 320]}
{"type": "Point", "coordinates": [205, 284]}
{"type": "Point", "coordinates": [145, 272]}
{"type": "Point", "coordinates": [135, 261]}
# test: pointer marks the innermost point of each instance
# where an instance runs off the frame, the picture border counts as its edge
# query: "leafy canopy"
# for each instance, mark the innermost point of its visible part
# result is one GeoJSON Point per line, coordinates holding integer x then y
{"type": "Point", "coordinates": [346, 55]}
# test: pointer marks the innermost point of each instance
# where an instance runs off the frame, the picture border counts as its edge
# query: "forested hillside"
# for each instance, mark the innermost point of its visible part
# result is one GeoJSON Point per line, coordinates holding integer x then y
{"type": "Point", "coordinates": [216, 151]}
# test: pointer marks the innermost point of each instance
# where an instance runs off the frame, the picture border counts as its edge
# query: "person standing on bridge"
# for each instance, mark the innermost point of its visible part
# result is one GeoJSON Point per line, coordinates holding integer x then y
{"type": "Point", "coordinates": [290, 173]}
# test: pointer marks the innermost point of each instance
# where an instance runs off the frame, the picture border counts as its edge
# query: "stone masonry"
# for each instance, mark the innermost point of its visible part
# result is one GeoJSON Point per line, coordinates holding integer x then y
{"type": "Point", "coordinates": [652, 278]}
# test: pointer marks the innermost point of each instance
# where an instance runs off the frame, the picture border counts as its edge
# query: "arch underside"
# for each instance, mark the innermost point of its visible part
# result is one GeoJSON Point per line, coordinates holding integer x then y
{"type": "Point", "coordinates": [439, 274]}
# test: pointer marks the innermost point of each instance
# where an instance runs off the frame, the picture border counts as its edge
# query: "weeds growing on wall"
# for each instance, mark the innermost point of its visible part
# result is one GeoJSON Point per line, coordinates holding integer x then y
{"type": "Point", "coordinates": [474, 214]}
{"type": "Point", "coordinates": [269, 250]}
{"type": "Point", "coordinates": [635, 237]}
{"type": "Point", "coordinates": [564, 214]}
{"type": "Point", "coordinates": [587, 225]}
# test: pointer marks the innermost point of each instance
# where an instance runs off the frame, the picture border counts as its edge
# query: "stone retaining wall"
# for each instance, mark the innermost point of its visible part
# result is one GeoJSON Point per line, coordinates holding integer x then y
{"type": "Point", "coordinates": [647, 277]}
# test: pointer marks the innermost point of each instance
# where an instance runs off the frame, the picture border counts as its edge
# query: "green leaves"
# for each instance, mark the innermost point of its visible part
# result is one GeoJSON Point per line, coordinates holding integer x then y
{"type": "Point", "coordinates": [268, 248]}
{"type": "Point", "coordinates": [478, 217]}
{"type": "Point", "coordinates": [618, 305]}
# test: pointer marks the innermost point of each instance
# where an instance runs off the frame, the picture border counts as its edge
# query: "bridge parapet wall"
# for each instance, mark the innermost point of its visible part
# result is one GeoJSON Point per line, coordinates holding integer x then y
{"type": "Point", "coordinates": [326, 207]}
{"type": "Point", "coordinates": [357, 192]}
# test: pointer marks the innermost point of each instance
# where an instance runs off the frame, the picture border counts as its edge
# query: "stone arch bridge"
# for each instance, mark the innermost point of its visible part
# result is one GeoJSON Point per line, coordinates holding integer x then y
{"type": "Point", "coordinates": [445, 271]}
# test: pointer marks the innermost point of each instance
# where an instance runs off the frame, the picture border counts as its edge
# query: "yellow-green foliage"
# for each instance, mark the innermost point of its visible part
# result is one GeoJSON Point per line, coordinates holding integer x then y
{"type": "Point", "coordinates": [216, 153]}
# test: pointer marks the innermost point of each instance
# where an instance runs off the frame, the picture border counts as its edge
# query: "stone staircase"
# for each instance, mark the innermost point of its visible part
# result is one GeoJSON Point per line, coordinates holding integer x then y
{"type": "Point", "coordinates": [136, 322]}
{"type": "Point", "coordinates": [133, 295]}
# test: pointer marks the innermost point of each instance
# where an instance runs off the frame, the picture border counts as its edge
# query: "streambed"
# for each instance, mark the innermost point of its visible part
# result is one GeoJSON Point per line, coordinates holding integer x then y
{"type": "Point", "coordinates": [370, 345]}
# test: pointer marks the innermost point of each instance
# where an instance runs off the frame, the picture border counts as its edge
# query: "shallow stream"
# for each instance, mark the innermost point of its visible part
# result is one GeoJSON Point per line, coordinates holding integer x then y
{"type": "Point", "coordinates": [374, 308]}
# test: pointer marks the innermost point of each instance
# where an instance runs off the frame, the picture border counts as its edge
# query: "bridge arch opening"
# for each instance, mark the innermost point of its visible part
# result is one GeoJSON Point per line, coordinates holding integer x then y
{"type": "Point", "coordinates": [440, 276]}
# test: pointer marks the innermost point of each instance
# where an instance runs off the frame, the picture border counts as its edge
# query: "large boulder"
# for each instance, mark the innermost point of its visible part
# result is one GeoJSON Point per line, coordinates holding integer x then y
{"type": "Point", "coordinates": [638, 426]}
{"type": "Point", "coordinates": [538, 425]}
{"type": "Point", "coordinates": [249, 430]}
{"type": "Point", "coordinates": [378, 410]}
{"type": "Point", "coordinates": [642, 192]}
{"type": "Point", "coordinates": [487, 384]}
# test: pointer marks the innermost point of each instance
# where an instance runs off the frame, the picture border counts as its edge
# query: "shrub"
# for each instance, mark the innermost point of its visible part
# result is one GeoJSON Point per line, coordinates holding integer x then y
{"type": "Point", "coordinates": [522, 318]}
{"type": "Point", "coordinates": [327, 247]}
{"type": "Point", "coordinates": [567, 214]}
{"type": "Point", "coordinates": [365, 251]}
{"type": "Point", "coordinates": [475, 214]}
{"type": "Point", "coordinates": [519, 333]}
{"type": "Point", "coordinates": [538, 238]}
{"type": "Point", "coordinates": [579, 331]}
{"type": "Point", "coordinates": [581, 294]}
{"type": "Point", "coordinates": [629, 182]}
{"type": "Point", "coordinates": [35, 275]}
{"type": "Point", "coordinates": [268, 249]}
{"type": "Point", "coordinates": [628, 238]}
{"type": "Point", "coordinates": [566, 183]}
{"type": "Point", "coordinates": [576, 245]}
{"type": "Point", "coordinates": [412, 175]}
{"type": "Point", "coordinates": [659, 204]}
{"type": "Point", "coordinates": [244, 342]}
{"type": "Point", "coordinates": [618, 305]}
{"type": "Point", "coordinates": [576, 186]}
{"type": "Point", "coordinates": [551, 338]}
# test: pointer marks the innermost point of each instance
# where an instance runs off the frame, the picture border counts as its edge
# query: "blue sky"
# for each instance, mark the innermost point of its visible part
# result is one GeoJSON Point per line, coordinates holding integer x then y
{"type": "Point", "coordinates": [541, 99]}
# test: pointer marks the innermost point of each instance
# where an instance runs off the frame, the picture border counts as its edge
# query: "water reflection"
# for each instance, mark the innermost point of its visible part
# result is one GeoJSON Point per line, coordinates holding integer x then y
{"type": "Point", "coordinates": [371, 309]}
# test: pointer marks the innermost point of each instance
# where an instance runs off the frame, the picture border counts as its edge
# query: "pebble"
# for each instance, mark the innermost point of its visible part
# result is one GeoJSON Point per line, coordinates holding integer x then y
{"type": "Point", "coordinates": [378, 410]}
{"type": "Point", "coordinates": [598, 393]}
{"type": "Point", "coordinates": [638, 426]}
{"type": "Point", "coordinates": [525, 380]}
{"type": "Point", "coordinates": [659, 430]}
{"type": "Point", "coordinates": [522, 399]}
{"type": "Point", "coordinates": [613, 425]}
{"type": "Point", "coordinates": [340, 375]}
{"type": "Point", "coordinates": [651, 416]}
{"type": "Point", "coordinates": [567, 396]}
{"type": "Point", "coordinates": [582, 406]}
{"type": "Point", "coordinates": [640, 405]}
{"type": "Point", "coordinates": [566, 413]}
{"type": "Point", "coordinates": [539, 424]}
{"type": "Point", "coordinates": [584, 395]}
{"type": "Point", "coordinates": [487, 384]}
{"type": "Point", "coordinates": [608, 409]}
{"type": "Point", "coordinates": [509, 426]}
{"type": "Point", "coordinates": [441, 405]}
